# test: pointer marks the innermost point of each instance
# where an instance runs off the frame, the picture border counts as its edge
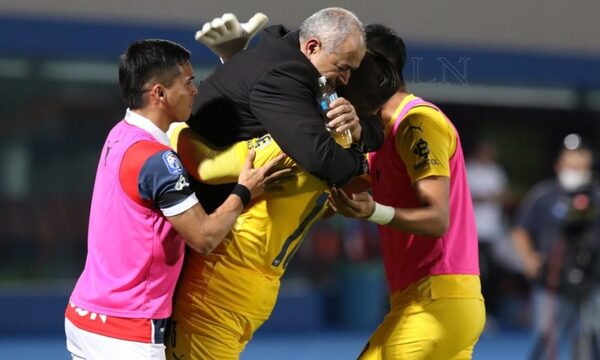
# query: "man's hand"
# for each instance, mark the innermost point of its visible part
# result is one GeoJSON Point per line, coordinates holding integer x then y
{"type": "Point", "coordinates": [360, 206]}
{"type": "Point", "coordinates": [257, 179]}
{"type": "Point", "coordinates": [225, 36]}
{"type": "Point", "coordinates": [343, 117]}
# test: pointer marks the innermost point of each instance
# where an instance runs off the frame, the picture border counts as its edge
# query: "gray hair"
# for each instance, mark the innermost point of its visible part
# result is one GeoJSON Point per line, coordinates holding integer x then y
{"type": "Point", "coordinates": [332, 26]}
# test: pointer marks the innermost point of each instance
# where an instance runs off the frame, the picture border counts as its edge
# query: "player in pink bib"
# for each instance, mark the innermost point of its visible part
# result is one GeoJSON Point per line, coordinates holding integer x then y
{"type": "Point", "coordinates": [423, 206]}
{"type": "Point", "coordinates": [143, 213]}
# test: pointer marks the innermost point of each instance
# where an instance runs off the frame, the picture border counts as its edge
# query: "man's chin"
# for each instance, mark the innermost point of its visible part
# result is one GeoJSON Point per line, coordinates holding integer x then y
{"type": "Point", "coordinates": [187, 116]}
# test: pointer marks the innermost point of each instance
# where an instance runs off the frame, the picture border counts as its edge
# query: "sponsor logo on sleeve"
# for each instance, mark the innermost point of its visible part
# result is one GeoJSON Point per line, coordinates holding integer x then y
{"type": "Point", "coordinates": [421, 149]}
{"type": "Point", "coordinates": [173, 164]}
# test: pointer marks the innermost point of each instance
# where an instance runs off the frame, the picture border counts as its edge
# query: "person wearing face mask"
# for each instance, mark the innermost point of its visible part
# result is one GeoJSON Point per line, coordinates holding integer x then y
{"type": "Point", "coordinates": [557, 237]}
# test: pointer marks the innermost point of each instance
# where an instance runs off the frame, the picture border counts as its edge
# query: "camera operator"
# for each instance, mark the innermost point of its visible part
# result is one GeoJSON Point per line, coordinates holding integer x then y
{"type": "Point", "coordinates": [557, 235]}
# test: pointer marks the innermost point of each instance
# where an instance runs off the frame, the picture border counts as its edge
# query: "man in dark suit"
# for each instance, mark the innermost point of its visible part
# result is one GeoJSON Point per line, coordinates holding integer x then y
{"type": "Point", "coordinates": [273, 87]}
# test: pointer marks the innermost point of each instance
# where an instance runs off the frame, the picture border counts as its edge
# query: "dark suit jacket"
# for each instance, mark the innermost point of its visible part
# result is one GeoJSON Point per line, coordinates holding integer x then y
{"type": "Point", "coordinates": [273, 88]}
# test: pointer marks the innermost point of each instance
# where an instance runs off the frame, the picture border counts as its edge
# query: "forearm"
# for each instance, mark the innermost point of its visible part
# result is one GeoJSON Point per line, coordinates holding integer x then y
{"type": "Point", "coordinates": [426, 221]}
{"type": "Point", "coordinates": [220, 222]}
{"type": "Point", "coordinates": [432, 218]}
{"type": "Point", "coordinates": [420, 221]}
{"type": "Point", "coordinates": [530, 258]}
{"type": "Point", "coordinates": [306, 140]}
{"type": "Point", "coordinates": [283, 102]}
{"type": "Point", "coordinates": [522, 243]}
{"type": "Point", "coordinates": [336, 166]}
{"type": "Point", "coordinates": [204, 232]}
{"type": "Point", "coordinates": [314, 150]}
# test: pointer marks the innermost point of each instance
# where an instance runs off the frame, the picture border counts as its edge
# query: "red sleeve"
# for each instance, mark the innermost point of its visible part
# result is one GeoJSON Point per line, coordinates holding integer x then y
{"type": "Point", "coordinates": [134, 159]}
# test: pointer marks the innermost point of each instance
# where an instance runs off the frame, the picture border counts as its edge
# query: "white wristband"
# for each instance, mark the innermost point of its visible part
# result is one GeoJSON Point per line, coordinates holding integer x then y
{"type": "Point", "coordinates": [382, 215]}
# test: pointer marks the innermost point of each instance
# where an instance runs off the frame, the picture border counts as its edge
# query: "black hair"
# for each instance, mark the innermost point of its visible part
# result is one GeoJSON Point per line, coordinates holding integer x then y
{"type": "Point", "coordinates": [387, 42]}
{"type": "Point", "coordinates": [372, 84]}
{"type": "Point", "coordinates": [147, 60]}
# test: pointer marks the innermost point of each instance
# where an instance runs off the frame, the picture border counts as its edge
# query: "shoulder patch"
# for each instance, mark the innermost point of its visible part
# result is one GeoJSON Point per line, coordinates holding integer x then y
{"type": "Point", "coordinates": [173, 164]}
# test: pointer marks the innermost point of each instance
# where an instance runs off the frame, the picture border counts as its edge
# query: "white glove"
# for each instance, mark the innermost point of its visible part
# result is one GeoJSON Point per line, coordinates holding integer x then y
{"type": "Point", "coordinates": [225, 36]}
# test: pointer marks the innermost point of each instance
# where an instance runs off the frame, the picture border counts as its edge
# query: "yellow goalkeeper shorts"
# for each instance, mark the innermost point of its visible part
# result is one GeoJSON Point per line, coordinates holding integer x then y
{"type": "Point", "coordinates": [209, 332]}
{"type": "Point", "coordinates": [440, 317]}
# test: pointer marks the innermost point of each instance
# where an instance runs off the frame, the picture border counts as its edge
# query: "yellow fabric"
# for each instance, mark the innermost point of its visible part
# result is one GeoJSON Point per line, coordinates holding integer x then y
{"type": "Point", "coordinates": [425, 141]}
{"type": "Point", "coordinates": [208, 332]}
{"type": "Point", "coordinates": [439, 317]}
{"type": "Point", "coordinates": [242, 274]}
{"type": "Point", "coordinates": [204, 161]}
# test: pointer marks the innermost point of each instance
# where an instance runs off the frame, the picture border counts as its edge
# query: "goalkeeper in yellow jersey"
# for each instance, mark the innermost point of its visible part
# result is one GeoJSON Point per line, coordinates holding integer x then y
{"type": "Point", "coordinates": [223, 298]}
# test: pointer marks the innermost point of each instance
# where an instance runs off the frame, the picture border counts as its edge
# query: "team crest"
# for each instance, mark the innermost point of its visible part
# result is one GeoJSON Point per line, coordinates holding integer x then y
{"type": "Point", "coordinates": [173, 163]}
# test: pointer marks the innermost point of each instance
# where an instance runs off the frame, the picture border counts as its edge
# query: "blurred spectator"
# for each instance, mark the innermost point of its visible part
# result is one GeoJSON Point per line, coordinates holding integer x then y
{"type": "Point", "coordinates": [489, 189]}
{"type": "Point", "coordinates": [557, 236]}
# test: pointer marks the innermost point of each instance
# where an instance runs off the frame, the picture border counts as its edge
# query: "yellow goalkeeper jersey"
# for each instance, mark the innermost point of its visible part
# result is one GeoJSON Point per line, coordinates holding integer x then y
{"type": "Point", "coordinates": [242, 274]}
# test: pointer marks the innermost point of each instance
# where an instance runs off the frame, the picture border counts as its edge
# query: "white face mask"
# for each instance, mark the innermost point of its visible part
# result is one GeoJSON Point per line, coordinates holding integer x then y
{"type": "Point", "coordinates": [574, 179]}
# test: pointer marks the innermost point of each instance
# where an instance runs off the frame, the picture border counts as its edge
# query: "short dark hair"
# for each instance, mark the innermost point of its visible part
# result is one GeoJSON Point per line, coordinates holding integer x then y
{"type": "Point", "coordinates": [146, 60]}
{"type": "Point", "coordinates": [384, 40]}
{"type": "Point", "coordinates": [372, 84]}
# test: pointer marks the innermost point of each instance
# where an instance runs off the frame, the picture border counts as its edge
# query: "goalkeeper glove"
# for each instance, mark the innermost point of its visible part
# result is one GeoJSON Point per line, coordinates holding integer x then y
{"type": "Point", "coordinates": [225, 36]}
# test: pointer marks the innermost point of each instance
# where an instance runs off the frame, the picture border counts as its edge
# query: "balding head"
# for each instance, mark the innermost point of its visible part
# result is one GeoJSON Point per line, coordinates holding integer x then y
{"type": "Point", "coordinates": [332, 26]}
{"type": "Point", "coordinates": [334, 41]}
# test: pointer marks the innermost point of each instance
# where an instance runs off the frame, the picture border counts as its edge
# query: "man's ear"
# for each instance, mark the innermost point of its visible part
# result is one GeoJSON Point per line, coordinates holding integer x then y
{"type": "Point", "coordinates": [311, 47]}
{"type": "Point", "coordinates": [158, 92]}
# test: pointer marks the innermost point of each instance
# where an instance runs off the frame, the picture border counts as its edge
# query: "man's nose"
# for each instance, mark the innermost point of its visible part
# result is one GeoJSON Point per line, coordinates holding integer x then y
{"type": "Point", "coordinates": [344, 77]}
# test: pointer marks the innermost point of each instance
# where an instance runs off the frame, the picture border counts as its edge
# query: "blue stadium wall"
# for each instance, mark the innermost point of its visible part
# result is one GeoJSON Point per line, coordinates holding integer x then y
{"type": "Point", "coordinates": [45, 38]}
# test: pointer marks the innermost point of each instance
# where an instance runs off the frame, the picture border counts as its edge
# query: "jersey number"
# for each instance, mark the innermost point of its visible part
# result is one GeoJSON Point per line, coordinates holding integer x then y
{"type": "Point", "coordinates": [310, 218]}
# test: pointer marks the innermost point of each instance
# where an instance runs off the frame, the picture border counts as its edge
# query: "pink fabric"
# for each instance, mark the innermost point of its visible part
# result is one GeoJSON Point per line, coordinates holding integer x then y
{"type": "Point", "coordinates": [134, 254]}
{"type": "Point", "coordinates": [408, 257]}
